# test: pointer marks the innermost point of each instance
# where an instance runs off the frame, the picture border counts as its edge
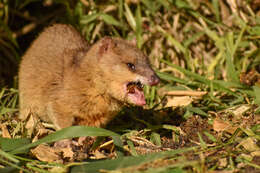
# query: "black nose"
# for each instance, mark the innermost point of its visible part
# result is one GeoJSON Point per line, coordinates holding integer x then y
{"type": "Point", "coordinates": [154, 80]}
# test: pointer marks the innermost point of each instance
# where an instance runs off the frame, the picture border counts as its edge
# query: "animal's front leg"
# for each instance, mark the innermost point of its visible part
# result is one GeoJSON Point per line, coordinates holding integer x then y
{"type": "Point", "coordinates": [59, 117]}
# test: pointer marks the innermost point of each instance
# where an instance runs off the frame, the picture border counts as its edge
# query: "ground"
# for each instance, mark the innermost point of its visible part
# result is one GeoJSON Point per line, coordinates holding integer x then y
{"type": "Point", "coordinates": [202, 117]}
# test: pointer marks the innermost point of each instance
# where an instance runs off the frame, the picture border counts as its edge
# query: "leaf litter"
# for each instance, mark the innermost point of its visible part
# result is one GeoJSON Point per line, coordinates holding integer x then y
{"type": "Point", "coordinates": [211, 100]}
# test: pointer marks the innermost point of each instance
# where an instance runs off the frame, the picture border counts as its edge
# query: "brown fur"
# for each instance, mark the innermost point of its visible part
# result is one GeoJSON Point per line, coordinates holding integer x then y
{"type": "Point", "coordinates": [65, 81]}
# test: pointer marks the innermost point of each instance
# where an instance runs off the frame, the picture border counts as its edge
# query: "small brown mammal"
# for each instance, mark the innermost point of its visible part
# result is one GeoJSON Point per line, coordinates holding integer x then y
{"type": "Point", "coordinates": [65, 81]}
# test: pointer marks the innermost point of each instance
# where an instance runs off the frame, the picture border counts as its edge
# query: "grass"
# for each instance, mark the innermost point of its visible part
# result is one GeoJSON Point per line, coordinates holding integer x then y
{"type": "Point", "coordinates": [203, 117]}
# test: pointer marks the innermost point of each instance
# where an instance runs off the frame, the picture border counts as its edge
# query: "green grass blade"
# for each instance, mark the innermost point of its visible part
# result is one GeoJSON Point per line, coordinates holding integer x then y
{"type": "Point", "coordinates": [156, 139]}
{"type": "Point", "coordinates": [12, 165]}
{"type": "Point", "coordinates": [197, 111]}
{"type": "Point", "coordinates": [128, 161]}
{"type": "Point", "coordinates": [8, 156]}
{"type": "Point", "coordinates": [215, 4]}
{"type": "Point", "coordinates": [110, 20]}
{"type": "Point", "coordinates": [89, 18]}
{"type": "Point", "coordinates": [200, 78]}
{"type": "Point", "coordinates": [173, 41]}
{"type": "Point", "coordinates": [139, 27]}
{"type": "Point", "coordinates": [257, 95]}
{"type": "Point", "coordinates": [130, 17]}
{"type": "Point", "coordinates": [210, 136]}
{"type": "Point", "coordinates": [202, 142]}
{"type": "Point", "coordinates": [169, 78]}
{"type": "Point", "coordinates": [11, 144]}
{"type": "Point", "coordinates": [70, 132]}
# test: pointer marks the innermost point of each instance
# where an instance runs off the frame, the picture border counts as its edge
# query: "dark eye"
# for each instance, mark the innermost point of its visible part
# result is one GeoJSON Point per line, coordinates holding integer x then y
{"type": "Point", "coordinates": [131, 66]}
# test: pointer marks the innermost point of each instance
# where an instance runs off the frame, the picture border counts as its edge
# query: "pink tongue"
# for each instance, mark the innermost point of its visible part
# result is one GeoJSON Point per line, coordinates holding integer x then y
{"type": "Point", "coordinates": [137, 97]}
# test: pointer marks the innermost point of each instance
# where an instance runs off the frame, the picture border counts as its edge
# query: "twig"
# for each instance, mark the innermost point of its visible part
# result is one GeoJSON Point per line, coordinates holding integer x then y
{"type": "Point", "coordinates": [186, 93]}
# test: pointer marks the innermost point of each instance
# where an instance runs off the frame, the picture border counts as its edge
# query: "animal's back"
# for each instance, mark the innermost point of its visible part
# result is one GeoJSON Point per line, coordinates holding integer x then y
{"type": "Point", "coordinates": [42, 67]}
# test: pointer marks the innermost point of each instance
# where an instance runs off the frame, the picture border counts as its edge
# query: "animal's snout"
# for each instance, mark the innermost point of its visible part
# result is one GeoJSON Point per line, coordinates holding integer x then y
{"type": "Point", "coordinates": [154, 80]}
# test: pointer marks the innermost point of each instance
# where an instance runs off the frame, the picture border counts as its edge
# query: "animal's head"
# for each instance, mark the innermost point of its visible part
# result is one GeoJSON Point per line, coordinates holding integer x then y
{"type": "Point", "coordinates": [124, 69]}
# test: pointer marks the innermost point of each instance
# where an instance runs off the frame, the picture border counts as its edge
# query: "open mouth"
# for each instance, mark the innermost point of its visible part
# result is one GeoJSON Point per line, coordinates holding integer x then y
{"type": "Point", "coordinates": [135, 93]}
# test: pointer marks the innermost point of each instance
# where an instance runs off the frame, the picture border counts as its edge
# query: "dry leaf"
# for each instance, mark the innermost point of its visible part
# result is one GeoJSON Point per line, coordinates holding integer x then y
{"type": "Point", "coordinates": [31, 124]}
{"type": "Point", "coordinates": [249, 144]}
{"type": "Point", "coordinates": [255, 153]}
{"type": "Point", "coordinates": [46, 154]}
{"type": "Point", "coordinates": [241, 110]}
{"type": "Point", "coordinates": [221, 171]}
{"type": "Point", "coordinates": [82, 140]}
{"type": "Point", "coordinates": [144, 146]}
{"type": "Point", "coordinates": [5, 132]}
{"type": "Point", "coordinates": [67, 153]}
{"type": "Point", "coordinates": [222, 162]}
{"type": "Point", "coordinates": [64, 143]}
{"type": "Point", "coordinates": [225, 14]}
{"type": "Point", "coordinates": [221, 125]}
{"type": "Point", "coordinates": [40, 133]}
{"type": "Point", "coordinates": [98, 155]}
{"type": "Point", "coordinates": [178, 101]}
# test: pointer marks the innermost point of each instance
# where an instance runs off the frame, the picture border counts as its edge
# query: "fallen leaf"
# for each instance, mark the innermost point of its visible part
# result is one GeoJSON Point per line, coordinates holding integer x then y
{"type": "Point", "coordinates": [40, 133]}
{"type": "Point", "coordinates": [5, 132]}
{"type": "Point", "coordinates": [255, 153]}
{"type": "Point", "coordinates": [225, 14]}
{"type": "Point", "coordinates": [31, 124]}
{"type": "Point", "coordinates": [221, 171]}
{"type": "Point", "coordinates": [222, 162]}
{"type": "Point", "coordinates": [221, 125]}
{"type": "Point", "coordinates": [46, 154]}
{"type": "Point", "coordinates": [98, 155]}
{"type": "Point", "coordinates": [249, 144]}
{"type": "Point", "coordinates": [67, 153]}
{"type": "Point", "coordinates": [239, 111]}
{"type": "Point", "coordinates": [178, 101]}
{"type": "Point", "coordinates": [64, 143]}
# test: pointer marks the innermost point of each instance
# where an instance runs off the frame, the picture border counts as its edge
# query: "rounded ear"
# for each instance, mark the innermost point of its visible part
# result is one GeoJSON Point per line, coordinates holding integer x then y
{"type": "Point", "coordinates": [106, 43]}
